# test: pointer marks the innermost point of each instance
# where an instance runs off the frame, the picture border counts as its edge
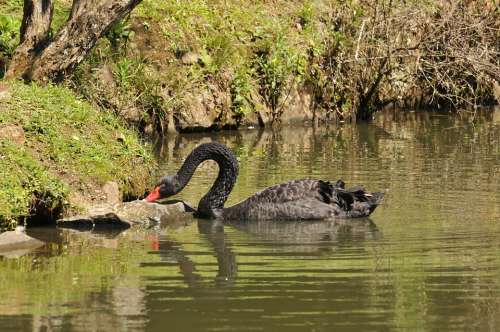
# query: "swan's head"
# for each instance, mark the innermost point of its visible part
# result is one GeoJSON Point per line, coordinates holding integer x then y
{"type": "Point", "coordinates": [166, 187]}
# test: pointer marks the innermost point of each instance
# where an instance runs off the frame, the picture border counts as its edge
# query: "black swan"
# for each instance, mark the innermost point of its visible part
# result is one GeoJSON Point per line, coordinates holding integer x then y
{"type": "Point", "coordinates": [295, 200]}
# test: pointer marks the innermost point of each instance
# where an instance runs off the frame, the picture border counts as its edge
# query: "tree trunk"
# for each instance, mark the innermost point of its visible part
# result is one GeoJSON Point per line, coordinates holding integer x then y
{"type": "Point", "coordinates": [88, 21]}
{"type": "Point", "coordinates": [37, 18]}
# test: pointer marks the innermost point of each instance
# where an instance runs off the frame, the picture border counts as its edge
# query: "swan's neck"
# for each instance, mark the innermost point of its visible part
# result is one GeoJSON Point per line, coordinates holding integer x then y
{"type": "Point", "coordinates": [228, 172]}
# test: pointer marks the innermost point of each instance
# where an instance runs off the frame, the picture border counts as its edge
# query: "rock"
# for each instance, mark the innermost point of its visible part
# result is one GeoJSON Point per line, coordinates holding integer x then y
{"type": "Point", "coordinates": [190, 58]}
{"type": "Point", "coordinates": [78, 200]}
{"type": "Point", "coordinates": [149, 129]}
{"type": "Point", "coordinates": [298, 107]}
{"type": "Point", "coordinates": [131, 114]}
{"type": "Point", "coordinates": [200, 111]}
{"type": "Point", "coordinates": [4, 92]}
{"type": "Point", "coordinates": [112, 192]}
{"type": "Point", "coordinates": [125, 215]}
{"type": "Point", "coordinates": [141, 211]}
{"type": "Point", "coordinates": [222, 101]}
{"type": "Point", "coordinates": [17, 243]}
{"type": "Point", "coordinates": [13, 133]}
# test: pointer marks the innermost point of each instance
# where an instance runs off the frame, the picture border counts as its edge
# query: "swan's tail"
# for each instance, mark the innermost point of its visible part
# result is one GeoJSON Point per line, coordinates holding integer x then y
{"type": "Point", "coordinates": [374, 200]}
{"type": "Point", "coordinates": [356, 201]}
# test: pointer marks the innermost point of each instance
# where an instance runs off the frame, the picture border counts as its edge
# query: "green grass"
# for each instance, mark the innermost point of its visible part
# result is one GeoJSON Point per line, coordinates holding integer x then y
{"type": "Point", "coordinates": [245, 49]}
{"type": "Point", "coordinates": [24, 184]}
{"type": "Point", "coordinates": [69, 146]}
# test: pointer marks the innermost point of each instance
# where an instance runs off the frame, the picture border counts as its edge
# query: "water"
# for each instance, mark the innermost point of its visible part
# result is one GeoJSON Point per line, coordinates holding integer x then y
{"type": "Point", "coordinates": [427, 259]}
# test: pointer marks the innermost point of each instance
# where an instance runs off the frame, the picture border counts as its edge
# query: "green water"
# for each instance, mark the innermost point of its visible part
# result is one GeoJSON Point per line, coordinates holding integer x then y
{"type": "Point", "coordinates": [427, 260]}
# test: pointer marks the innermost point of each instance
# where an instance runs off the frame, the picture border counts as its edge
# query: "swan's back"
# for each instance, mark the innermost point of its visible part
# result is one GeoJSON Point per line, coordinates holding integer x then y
{"type": "Point", "coordinates": [304, 200]}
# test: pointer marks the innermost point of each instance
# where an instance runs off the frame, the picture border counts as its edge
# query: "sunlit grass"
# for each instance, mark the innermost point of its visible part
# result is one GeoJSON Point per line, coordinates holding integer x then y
{"type": "Point", "coordinates": [67, 143]}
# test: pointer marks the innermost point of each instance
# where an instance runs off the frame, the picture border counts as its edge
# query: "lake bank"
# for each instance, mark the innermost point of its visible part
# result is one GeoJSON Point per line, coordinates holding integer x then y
{"type": "Point", "coordinates": [180, 67]}
{"type": "Point", "coordinates": [59, 155]}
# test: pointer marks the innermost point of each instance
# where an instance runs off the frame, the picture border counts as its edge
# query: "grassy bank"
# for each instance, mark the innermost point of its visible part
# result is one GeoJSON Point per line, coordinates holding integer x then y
{"type": "Point", "coordinates": [56, 153]}
{"type": "Point", "coordinates": [212, 64]}
{"type": "Point", "coordinates": [221, 63]}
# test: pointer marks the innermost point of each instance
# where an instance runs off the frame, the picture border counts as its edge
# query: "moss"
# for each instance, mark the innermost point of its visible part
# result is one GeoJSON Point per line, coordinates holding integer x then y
{"type": "Point", "coordinates": [69, 147]}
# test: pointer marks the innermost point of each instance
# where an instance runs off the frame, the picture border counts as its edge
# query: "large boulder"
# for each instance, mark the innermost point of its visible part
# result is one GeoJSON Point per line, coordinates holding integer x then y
{"type": "Point", "coordinates": [204, 109]}
{"type": "Point", "coordinates": [125, 215]}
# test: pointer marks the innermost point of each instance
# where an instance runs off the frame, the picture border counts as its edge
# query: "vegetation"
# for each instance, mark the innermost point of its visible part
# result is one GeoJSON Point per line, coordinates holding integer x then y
{"type": "Point", "coordinates": [353, 57]}
{"type": "Point", "coordinates": [68, 148]}
{"type": "Point", "coordinates": [26, 186]}
{"type": "Point", "coordinates": [239, 59]}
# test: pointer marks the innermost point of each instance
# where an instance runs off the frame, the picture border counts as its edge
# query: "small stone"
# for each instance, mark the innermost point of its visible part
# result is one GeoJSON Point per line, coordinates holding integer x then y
{"type": "Point", "coordinates": [149, 129]}
{"type": "Point", "coordinates": [4, 92]}
{"type": "Point", "coordinates": [190, 58]}
{"type": "Point", "coordinates": [112, 192]}
{"type": "Point", "coordinates": [12, 133]}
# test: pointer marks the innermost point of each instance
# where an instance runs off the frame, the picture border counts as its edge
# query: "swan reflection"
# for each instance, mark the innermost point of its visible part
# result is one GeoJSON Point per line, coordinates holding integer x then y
{"type": "Point", "coordinates": [288, 238]}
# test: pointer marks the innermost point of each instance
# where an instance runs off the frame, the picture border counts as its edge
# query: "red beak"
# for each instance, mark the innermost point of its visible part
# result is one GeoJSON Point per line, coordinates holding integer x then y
{"type": "Point", "coordinates": [154, 195]}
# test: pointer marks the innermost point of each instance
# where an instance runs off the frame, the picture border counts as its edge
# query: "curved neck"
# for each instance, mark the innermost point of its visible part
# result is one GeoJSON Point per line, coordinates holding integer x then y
{"type": "Point", "coordinates": [228, 172]}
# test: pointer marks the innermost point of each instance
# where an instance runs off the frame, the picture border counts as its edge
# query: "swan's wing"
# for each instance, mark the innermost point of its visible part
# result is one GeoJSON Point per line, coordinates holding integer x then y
{"type": "Point", "coordinates": [293, 191]}
{"type": "Point", "coordinates": [364, 207]}
{"type": "Point", "coordinates": [308, 209]}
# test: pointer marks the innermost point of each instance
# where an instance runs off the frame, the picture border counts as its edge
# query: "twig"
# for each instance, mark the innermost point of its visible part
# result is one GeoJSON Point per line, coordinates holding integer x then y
{"type": "Point", "coordinates": [359, 39]}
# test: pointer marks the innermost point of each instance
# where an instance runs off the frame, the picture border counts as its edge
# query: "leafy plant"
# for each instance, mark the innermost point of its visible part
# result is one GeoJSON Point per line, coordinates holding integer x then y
{"type": "Point", "coordinates": [277, 68]}
{"type": "Point", "coordinates": [26, 185]}
{"type": "Point", "coordinates": [9, 34]}
{"type": "Point", "coordinates": [241, 89]}
{"type": "Point", "coordinates": [120, 33]}
{"type": "Point", "coordinates": [128, 71]}
{"type": "Point", "coordinates": [306, 14]}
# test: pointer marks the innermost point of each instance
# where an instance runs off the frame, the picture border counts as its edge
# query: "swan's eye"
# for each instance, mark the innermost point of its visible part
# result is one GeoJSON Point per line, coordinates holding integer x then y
{"type": "Point", "coordinates": [163, 190]}
{"type": "Point", "coordinates": [167, 189]}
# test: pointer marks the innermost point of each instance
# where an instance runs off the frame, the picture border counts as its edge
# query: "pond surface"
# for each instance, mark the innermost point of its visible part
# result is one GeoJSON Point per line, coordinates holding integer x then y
{"type": "Point", "coordinates": [427, 259]}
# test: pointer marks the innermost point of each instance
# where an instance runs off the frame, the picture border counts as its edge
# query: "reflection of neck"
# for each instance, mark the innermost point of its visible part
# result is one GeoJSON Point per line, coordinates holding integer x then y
{"type": "Point", "coordinates": [226, 259]}
{"type": "Point", "coordinates": [223, 185]}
